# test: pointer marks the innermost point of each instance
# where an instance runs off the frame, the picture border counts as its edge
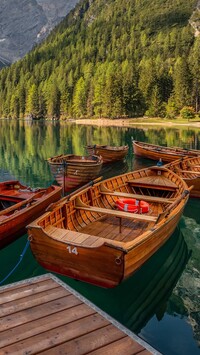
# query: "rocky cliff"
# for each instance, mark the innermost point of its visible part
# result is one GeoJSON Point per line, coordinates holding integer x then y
{"type": "Point", "coordinates": [23, 23]}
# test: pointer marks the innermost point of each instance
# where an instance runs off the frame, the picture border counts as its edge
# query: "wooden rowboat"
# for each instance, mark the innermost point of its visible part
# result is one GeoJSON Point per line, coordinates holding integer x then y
{"type": "Point", "coordinates": [71, 171]}
{"type": "Point", "coordinates": [84, 236]}
{"type": "Point", "coordinates": [156, 152]}
{"type": "Point", "coordinates": [189, 170]}
{"type": "Point", "coordinates": [19, 205]}
{"type": "Point", "coordinates": [108, 153]}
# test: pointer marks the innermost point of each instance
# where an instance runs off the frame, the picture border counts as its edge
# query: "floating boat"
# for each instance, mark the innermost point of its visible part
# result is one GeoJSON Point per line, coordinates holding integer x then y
{"type": "Point", "coordinates": [156, 152]}
{"type": "Point", "coordinates": [108, 153]}
{"type": "Point", "coordinates": [71, 171]}
{"type": "Point", "coordinates": [20, 205]}
{"type": "Point", "coordinates": [189, 170]}
{"type": "Point", "coordinates": [85, 236]}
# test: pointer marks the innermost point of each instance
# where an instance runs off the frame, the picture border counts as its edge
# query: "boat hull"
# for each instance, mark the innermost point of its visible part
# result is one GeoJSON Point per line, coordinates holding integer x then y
{"type": "Point", "coordinates": [87, 238]}
{"type": "Point", "coordinates": [13, 226]}
{"type": "Point", "coordinates": [77, 262]}
{"type": "Point", "coordinates": [133, 259]}
{"type": "Point", "coordinates": [155, 152]}
{"type": "Point", "coordinates": [189, 170]}
{"type": "Point", "coordinates": [88, 264]}
{"type": "Point", "coordinates": [71, 173]}
{"type": "Point", "coordinates": [109, 154]}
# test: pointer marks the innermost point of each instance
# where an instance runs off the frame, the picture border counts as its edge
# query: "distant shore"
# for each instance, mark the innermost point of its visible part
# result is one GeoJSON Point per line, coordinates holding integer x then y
{"type": "Point", "coordinates": [129, 122]}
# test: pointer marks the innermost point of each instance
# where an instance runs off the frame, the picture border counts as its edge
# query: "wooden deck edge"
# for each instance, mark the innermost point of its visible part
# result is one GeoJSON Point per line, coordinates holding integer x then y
{"type": "Point", "coordinates": [88, 303]}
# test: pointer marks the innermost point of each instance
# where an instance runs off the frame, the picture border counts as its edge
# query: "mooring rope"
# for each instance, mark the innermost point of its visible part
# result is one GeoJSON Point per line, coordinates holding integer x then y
{"type": "Point", "coordinates": [20, 259]}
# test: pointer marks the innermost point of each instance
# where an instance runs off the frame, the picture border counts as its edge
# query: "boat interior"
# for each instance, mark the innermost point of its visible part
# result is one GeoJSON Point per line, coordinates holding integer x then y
{"type": "Point", "coordinates": [94, 212]}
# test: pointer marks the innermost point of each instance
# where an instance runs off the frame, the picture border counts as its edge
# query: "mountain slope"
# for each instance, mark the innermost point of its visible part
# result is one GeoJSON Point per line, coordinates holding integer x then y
{"type": "Point", "coordinates": [26, 22]}
{"type": "Point", "coordinates": [116, 59]}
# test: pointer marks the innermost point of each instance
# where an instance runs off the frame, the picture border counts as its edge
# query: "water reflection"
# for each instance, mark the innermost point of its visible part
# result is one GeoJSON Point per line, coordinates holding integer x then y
{"type": "Point", "coordinates": [116, 168]}
{"type": "Point", "coordinates": [25, 146]}
{"type": "Point", "coordinates": [166, 289]}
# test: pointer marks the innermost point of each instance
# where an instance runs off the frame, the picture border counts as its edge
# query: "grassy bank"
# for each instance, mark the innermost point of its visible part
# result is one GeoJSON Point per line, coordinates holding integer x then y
{"type": "Point", "coordinates": [130, 122]}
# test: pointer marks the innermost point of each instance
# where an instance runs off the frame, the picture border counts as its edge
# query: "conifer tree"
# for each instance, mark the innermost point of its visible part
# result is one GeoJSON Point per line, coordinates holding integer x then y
{"type": "Point", "coordinates": [32, 103]}
{"type": "Point", "coordinates": [182, 83]}
{"type": "Point", "coordinates": [80, 98]}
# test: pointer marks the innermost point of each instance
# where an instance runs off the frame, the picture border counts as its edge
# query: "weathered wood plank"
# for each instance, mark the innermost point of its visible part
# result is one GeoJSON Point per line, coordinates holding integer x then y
{"type": "Point", "coordinates": [121, 346]}
{"type": "Point", "coordinates": [47, 340]}
{"type": "Point", "coordinates": [26, 290]}
{"type": "Point", "coordinates": [42, 310]}
{"type": "Point", "coordinates": [53, 324]}
{"type": "Point", "coordinates": [44, 324]}
{"type": "Point", "coordinates": [90, 342]}
{"type": "Point", "coordinates": [32, 300]}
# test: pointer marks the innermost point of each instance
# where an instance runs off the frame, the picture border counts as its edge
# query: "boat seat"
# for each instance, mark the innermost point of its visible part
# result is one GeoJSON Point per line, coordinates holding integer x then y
{"type": "Point", "coordinates": [116, 213]}
{"type": "Point", "coordinates": [77, 238]}
{"type": "Point", "coordinates": [137, 196]}
{"type": "Point", "coordinates": [159, 183]}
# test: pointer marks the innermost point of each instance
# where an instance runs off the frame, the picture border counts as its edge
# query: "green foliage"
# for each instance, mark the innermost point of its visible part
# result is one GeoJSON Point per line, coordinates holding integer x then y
{"type": "Point", "coordinates": [122, 59]}
{"type": "Point", "coordinates": [187, 112]}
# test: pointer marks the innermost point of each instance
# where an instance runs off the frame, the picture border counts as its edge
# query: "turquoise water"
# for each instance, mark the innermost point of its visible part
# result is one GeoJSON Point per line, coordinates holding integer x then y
{"type": "Point", "coordinates": [160, 302]}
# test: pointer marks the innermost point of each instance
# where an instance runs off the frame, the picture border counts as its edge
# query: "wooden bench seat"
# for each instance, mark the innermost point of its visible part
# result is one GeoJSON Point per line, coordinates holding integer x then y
{"type": "Point", "coordinates": [117, 213]}
{"type": "Point", "coordinates": [138, 197]}
{"type": "Point", "coordinates": [73, 237]}
{"type": "Point", "coordinates": [151, 185]}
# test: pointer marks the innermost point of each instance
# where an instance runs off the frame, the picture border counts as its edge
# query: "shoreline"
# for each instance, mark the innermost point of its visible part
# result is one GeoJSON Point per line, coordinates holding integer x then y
{"type": "Point", "coordinates": [130, 123]}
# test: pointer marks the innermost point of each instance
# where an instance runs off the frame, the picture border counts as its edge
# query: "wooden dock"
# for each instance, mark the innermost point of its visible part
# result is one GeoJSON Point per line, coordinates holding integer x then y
{"type": "Point", "coordinates": [43, 315]}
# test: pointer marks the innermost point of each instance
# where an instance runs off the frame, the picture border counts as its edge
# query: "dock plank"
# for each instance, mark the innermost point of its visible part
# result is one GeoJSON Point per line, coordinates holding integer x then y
{"type": "Point", "coordinates": [29, 315]}
{"type": "Point", "coordinates": [89, 342]}
{"type": "Point", "coordinates": [32, 300]}
{"type": "Point", "coordinates": [48, 317]}
{"type": "Point", "coordinates": [27, 290]}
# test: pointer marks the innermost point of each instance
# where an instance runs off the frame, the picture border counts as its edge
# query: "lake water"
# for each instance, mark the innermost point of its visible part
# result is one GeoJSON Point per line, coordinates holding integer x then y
{"type": "Point", "coordinates": [160, 303]}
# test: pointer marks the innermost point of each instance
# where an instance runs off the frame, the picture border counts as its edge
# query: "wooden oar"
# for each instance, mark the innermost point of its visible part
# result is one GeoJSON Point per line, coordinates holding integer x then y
{"type": "Point", "coordinates": [66, 198]}
{"type": "Point", "coordinates": [175, 203]}
{"type": "Point", "coordinates": [19, 205]}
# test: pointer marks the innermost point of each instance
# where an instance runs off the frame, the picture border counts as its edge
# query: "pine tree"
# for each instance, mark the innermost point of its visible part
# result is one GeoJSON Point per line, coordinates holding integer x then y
{"type": "Point", "coordinates": [182, 83]}
{"type": "Point", "coordinates": [80, 98]}
{"type": "Point", "coordinates": [32, 103]}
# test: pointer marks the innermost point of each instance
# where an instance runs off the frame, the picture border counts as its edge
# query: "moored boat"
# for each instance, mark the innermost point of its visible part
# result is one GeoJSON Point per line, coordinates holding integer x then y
{"type": "Point", "coordinates": [20, 205]}
{"type": "Point", "coordinates": [71, 171]}
{"type": "Point", "coordinates": [156, 152]}
{"type": "Point", "coordinates": [189, 170]}
{"type": "Point", "coordinates": [108, 153]}
{"type": "Point", "coordinates": [85, 236]}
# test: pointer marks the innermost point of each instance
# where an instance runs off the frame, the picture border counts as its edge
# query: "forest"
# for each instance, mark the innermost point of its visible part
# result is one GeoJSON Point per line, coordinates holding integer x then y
{"type": "Point", "coordinates": [110, 59]}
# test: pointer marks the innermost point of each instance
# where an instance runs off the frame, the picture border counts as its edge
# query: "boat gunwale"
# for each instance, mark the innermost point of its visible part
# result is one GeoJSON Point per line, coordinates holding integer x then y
{"type": "Point", "coordinates": [165, 149]}
{"type": "Point", "coordinates": [33, 200]}
{"type": "Point", "coordinates": [123, 246]}
{"type": "Point", "coordinates": [169, 213]}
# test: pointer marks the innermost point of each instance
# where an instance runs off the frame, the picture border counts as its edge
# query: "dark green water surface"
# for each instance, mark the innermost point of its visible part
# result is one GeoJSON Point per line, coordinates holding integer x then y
{"type": "Point", "coordinates": [160, 303]}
